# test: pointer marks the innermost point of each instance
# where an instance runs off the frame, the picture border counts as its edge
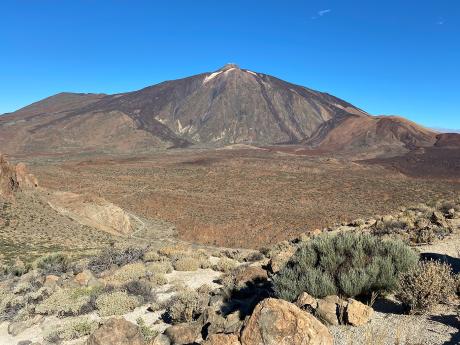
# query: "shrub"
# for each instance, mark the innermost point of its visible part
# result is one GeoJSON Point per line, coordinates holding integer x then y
{"type": "Point", "coordinates": [159, 267]}
{"type": "Point", "coordinates": [152, 256]}
{"type": "Point", "coordinates": [127, 273]}
{"type": "Point", "coordinates": [158, 279]}
{"type": "Point", "coordinates": [225, 265]}
{"type": "Point", "coordinates": [345, 264]}
{"type": "Point", "coordinates": [72, 329]}
{"type": "Point", "coordinates": [186, 264]}
{"type": "Point", "coordinates": [147, 333]}
{"type": "Point", "coordinates": [116, 303]}
{"type": "Point", "coordinates": [70, 301]}
{"type": "Point", "coordinates": [141, 289]}
{"type": "Point", "coordinates": [186, 306]}
{"type": "Point", "coordinates": [56, 264]}
{"type": "Point", "coordinates": [425, 285]}
{"type": "Point", "coordinates": [112, 256]}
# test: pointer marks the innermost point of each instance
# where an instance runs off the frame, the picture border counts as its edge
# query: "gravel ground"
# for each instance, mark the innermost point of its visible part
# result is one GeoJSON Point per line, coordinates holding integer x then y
{"type": "Point", "coordinates": [394, 329]}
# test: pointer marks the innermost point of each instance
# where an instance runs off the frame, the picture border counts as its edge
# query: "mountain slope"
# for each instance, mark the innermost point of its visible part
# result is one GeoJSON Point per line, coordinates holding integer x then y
{"type": "Point", "coordinates": [228, 106]}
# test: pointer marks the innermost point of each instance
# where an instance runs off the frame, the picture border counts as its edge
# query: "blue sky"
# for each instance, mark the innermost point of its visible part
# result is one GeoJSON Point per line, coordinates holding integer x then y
{"type": "Point", "coordinates": [387, 57]}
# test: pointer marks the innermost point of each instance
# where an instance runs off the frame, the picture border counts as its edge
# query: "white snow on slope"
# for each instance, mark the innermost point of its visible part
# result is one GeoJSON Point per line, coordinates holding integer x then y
{"type": "Point", "coordinates": [211, 76]}
{"type": "Point", "coordinates": [252, 72]}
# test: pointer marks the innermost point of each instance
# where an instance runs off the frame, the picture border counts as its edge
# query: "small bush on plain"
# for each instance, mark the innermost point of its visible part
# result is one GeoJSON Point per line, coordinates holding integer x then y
{"type": "Point", "coordinates": [426, 285]}
{"type": "Point", "coordinates": [186, 306]}
{"type": "Point", "coordinates": [186, 264]}
{"type": "Point", "coordinates": [116, 303]}
{"type": "Point", "coordinates": [346, 264]}
{"type": "Point", "coordinates": [70, 301]}
{"type": "Point", "coordinates": [112, 256]}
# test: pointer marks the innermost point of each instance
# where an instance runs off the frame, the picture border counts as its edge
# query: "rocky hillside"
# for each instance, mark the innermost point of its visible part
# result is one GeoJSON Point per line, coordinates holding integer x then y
{"type": "Point", "coordinates": [228, 106]}
{"type": "Point", "coordinates": [181, 294]}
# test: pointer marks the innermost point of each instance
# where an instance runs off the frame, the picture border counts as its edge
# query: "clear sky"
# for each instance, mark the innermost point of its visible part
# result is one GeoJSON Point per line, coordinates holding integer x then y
{"type": "Point", "coordinates": [387, 57]}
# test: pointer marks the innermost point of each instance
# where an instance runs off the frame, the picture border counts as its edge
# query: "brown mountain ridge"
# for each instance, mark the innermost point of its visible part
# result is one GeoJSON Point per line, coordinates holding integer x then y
{"type": "Point", "coordinates": [228, 106]}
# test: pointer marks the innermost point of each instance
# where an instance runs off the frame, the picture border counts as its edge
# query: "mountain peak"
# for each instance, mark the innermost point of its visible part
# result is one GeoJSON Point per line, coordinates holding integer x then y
{"type": "Point", "coordinates": [229, 66]}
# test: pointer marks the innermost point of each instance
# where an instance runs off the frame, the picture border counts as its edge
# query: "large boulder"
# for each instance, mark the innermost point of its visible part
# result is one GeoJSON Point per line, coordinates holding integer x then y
{"type": "Point", "coordinates": [327, 310]}
{"type": "Point", "coordinates": [184, 333]}
{"type": "Point", "coordinates": [277, 322]}
{"type": "Point", "coordinates": [357, 313]}
{"type": "Point", "coordinates": [116, 332]}
{"type": "Point", "coordinates": [222, 339]}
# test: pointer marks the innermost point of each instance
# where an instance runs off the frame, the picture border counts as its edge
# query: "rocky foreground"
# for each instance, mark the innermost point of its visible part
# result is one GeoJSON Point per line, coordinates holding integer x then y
{"type": "Point", "coordinates": [182, 294]}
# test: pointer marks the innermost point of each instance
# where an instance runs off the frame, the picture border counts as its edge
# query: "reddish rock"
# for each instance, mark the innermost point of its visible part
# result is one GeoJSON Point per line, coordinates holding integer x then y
{"type": "Point", "coordinates": [276, 322]}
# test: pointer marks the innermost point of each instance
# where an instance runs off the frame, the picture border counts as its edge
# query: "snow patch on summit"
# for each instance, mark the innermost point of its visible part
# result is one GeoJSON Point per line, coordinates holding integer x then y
{"type": "Point", "coordinates": [254, 73]}
{"type": "Point", "coordinates": [211, 76]}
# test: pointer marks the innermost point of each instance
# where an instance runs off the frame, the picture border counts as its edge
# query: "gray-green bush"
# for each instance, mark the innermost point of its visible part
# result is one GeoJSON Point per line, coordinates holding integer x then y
{"type": "Point", "coordinates": [345, 264]}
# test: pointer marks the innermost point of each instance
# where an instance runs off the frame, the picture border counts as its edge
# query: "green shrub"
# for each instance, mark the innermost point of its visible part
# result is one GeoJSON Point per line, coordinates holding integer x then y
{"type": "Point", "coordinates": [69, 301]}
{"type": "Point", "coordinates": [147, 333]}
{"type": "Point", "coordinates": [56, 264]}
{"type": "Point", "coordinates": [346, 264]}
{"type": "Point", "coordinates": [186, 306]}
{"type": "Point", "coordinates": [116, 303]}
{"type": "Point", "coordinates": [425, 285]}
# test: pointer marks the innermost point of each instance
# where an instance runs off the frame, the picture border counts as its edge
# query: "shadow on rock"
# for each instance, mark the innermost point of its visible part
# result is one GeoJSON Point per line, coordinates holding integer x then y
{"type": "Point", "coordinates": [246, 298]}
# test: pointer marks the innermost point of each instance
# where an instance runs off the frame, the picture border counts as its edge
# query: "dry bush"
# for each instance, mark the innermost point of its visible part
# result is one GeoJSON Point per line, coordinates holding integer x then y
{"type": "Point", "coordinates": [72, 329]}
{"type": "Point", "coordinates": [116, 303]}
{"type": "Point", "coordinates": [158, 279]}
{"type": "Point", "coordinates": [186, 264]}
{"type": "Point", "coordinates": [425, 285]}
{"type": "Point", "coordinates": [147, 333]}
{"type": "Point", "coordinates": [112, 256]}
{"type": "Point", "coordinates": [347, 264]}
{"type": "Point", "coordinates": [172, 251]}
{"type": "Point", "coordinates": [186, 306]}
{"type": "Point", "coordinates": [141, 289]}
{"type": "Point", "coordinates": [127, 273]}
{"type": "Point", "coordinates": [159, 267]}
{"type": "Point", "coordinates": [225, 265]}
{"type": "Point", "coordinates": [69, 301]}
{"type": "Point", "coordinates": [152, 256]}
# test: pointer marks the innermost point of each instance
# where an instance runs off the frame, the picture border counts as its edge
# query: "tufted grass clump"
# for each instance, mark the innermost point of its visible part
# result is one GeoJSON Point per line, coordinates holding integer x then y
{"type": "Point", "coordinates": [425, 285]}
{"type": "Point", "coordinates": [159, 267]}
{"type": "Point", "coordinates": [72, 329]}
{"type": "Point", "coordinates": [116, 303]}
{"type": "Point", "coordinates": [69, 301]}
{"type": "Point", "coordinates": [347, 264]}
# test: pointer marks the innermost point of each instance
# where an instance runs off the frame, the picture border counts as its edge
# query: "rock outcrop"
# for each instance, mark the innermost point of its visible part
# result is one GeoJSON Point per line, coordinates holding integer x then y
{"type": "Point", "coordinates": [117, 332]}
{"type": "Point", "coordinates": [277, 322]}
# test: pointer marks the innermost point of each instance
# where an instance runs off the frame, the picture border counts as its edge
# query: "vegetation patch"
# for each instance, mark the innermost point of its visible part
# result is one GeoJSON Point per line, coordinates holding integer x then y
{"type": "Point", "coordinates": [347, 264]}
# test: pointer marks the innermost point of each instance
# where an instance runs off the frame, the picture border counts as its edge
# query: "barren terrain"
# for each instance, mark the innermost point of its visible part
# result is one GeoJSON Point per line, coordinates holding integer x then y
{"type": "Point", "coordinates": [241, 197]}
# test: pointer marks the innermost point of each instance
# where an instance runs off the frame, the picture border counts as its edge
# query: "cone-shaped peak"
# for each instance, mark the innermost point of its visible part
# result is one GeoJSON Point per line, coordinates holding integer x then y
{"type": "Point", "coordinates": [229, 66]}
